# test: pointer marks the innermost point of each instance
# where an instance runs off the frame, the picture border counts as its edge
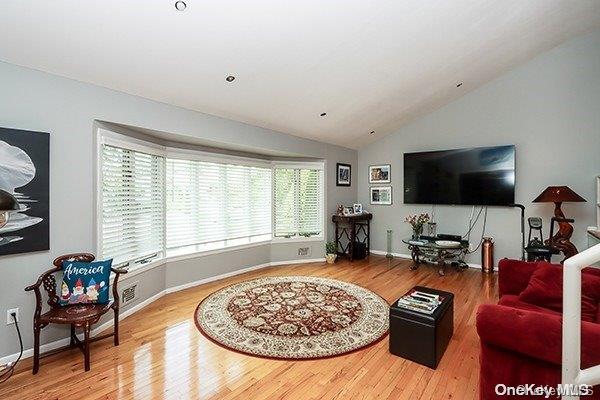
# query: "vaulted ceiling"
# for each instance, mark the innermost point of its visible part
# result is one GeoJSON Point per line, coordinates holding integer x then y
{"type": "Point", "coordinates": [369, 65]}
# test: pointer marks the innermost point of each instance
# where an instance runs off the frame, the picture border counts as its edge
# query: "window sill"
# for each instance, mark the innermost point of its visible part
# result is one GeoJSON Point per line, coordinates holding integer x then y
{"type": "Point", "coordinates": [297, 239]}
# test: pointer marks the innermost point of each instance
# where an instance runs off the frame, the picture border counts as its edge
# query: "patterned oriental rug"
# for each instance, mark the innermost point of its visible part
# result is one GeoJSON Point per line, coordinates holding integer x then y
{"type": "Point", "coordinates": [293, 317]}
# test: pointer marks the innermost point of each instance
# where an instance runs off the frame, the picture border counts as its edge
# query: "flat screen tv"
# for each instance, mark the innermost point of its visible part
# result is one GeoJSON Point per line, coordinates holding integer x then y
{"type": "Point", "coordinates": [482, 176]}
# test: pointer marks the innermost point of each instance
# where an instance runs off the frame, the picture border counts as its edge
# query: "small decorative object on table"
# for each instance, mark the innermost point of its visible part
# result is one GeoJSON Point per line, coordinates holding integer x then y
{"type": "Point", "coordinates": [417, 222]}
{"type": "Point", "coordinates": [357, 208]}
{"type": "Point", "coordinates": [330, 252]}
{"type": "Point", "coordinates": [340, 209]}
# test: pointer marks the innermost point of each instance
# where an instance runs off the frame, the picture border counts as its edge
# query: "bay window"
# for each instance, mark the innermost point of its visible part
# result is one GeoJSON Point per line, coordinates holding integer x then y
{"type": "Point", "coordinates": [155, 202]}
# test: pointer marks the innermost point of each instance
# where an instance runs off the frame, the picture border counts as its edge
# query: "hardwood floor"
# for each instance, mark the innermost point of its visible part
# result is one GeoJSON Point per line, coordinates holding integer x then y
{"type": "Point", "coordinates": [162, 354]}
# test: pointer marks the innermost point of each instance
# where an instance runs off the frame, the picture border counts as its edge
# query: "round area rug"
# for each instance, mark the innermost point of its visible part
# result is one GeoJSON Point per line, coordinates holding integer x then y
{"type": "Point", "coordinates": [293, 317]}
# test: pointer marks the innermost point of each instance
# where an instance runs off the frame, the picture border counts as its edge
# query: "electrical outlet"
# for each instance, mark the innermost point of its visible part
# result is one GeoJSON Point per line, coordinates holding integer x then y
{"type": "Point", "coordinates": [470, 246]}
{"type": "Point", "coordinates": [9, 318]}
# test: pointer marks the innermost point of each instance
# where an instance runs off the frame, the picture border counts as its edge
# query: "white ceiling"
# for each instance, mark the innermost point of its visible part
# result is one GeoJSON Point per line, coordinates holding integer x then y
{"type": "Point", "coordinates": [371, 65]}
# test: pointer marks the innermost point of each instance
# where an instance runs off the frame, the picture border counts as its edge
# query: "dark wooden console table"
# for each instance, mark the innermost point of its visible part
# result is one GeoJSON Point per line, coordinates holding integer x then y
{"type": "Point", "coordinates": [350, 229]}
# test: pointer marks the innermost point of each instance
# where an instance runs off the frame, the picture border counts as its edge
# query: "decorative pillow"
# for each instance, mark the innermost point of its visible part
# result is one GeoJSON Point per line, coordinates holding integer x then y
{"type": "Point", "coordinates": [545, 289]}
{"type": "Point", "coordinates": [85, 282]}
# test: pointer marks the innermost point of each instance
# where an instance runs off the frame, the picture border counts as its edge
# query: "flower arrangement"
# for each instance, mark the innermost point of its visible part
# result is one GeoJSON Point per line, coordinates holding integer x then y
{"type": "Point", "coordinates": [417, 221]}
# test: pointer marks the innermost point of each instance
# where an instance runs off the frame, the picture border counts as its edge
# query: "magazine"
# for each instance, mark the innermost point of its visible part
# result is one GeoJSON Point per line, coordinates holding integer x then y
{"type": "Point", "coordinates": [422, 302]}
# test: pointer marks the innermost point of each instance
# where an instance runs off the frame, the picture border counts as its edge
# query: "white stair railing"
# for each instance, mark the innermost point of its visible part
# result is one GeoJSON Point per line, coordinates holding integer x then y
{"type": "Point", "coordinates": [572, 374]}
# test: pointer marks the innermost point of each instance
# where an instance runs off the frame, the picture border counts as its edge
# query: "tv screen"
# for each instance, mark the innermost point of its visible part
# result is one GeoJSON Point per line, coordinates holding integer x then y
{"type": "Point", "coordinates": [482, 176]}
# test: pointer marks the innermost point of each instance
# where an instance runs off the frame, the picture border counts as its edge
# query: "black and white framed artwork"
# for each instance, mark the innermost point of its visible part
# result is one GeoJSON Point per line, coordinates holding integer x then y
{"type": "Point", "coordinates": [24, 175]}
{"type": "Point", "coordinates": [343, 174]}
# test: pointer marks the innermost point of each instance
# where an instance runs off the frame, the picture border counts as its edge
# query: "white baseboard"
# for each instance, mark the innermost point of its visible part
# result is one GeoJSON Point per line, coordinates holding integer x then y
{"type": "Point", "coordinates": [109, 324]}
{"type": "Point", "coordinates": [401, 255]}
{"type": "Point", "coordinates": [215, 278]}
{"type": "Point", "coordinates": [301, 261]}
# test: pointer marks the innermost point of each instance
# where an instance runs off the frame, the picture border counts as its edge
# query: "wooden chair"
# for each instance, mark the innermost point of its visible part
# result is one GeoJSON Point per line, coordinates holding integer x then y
{"type": "Point", "coordinates": [77, 315]}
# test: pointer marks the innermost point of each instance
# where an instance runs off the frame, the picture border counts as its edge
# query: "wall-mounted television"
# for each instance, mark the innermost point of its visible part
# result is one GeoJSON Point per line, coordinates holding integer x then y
{"type": "Point", "coordinates": [482, 176]}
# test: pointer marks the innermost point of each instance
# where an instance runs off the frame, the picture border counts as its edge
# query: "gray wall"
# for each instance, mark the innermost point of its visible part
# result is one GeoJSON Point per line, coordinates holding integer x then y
{"type": "Point", "coordinates": [34, 100]}
{"type": "Point", "coordinates": [549, 108]}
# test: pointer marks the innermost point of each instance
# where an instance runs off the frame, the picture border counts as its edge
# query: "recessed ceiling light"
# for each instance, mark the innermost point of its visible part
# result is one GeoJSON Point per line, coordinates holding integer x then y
{"type": "Point", "coordinates": [180, 5]}
{"type": "Point", "coordinates": [230, 78]}
{"type": "Point", "coordinates": [459, 84]}
{"type": "Point", "coordinates": [323, 114]}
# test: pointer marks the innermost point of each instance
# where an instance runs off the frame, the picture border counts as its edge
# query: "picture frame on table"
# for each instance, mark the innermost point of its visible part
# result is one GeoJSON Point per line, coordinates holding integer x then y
{"type": "Point", "coordinates": [343, 174]}
{"type": "Point", "coordinates": [357, 208]}
{"type": "Point", "coordinates": [381, 195]}
{"type": "Point", "coordinates": [380, 173]}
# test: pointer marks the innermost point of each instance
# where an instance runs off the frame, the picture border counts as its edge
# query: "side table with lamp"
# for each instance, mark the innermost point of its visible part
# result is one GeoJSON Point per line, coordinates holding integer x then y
{"type": "Point", "coordinates": [561, 239]}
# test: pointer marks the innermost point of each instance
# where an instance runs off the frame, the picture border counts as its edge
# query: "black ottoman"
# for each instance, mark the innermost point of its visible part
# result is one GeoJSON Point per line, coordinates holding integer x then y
{"type": "Point", "coordinates": [421, 337]}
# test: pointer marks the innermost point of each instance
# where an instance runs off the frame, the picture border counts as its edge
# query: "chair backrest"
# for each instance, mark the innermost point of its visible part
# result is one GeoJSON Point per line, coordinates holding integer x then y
{"type": "Point", "coordinates": [49, 281]}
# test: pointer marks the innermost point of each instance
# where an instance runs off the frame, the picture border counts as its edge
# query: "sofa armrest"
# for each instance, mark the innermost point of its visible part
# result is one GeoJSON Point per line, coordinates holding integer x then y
{"type": "Point", "coordinates": [514, 275]}
{"type": "Point", "coordinates": [534, 334]}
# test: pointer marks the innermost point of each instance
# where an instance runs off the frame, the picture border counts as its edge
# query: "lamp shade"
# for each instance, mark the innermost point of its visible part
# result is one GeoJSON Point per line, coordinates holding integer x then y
{"type": "Point", "coordinates": [558, 194]}
{"type": "Point", "coordinates": [8, 202]}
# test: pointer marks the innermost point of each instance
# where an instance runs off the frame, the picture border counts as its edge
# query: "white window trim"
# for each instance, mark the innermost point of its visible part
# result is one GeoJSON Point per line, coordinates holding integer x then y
{"type": "Point", "coordinates": [104, 136]}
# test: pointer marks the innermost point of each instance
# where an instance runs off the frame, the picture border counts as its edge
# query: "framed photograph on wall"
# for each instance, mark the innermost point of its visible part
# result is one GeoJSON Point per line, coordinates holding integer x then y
{"type": "Point", "coordinates": [381, 195]}
{"type": "Point", "coordinates": [380, 173]}
{"type": "Point", "coordinates": [24, 180]}
{"type": "Point", "coordinates": [343, 174]}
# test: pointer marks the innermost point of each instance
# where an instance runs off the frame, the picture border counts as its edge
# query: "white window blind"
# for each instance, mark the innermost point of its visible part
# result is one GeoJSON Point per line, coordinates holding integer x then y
{"type": "Point", "coordinates": [212, 202]}
{"type": "Point", "coordinates": [132, 185]}
{"type": "Point", "coordinates": [298, 200]}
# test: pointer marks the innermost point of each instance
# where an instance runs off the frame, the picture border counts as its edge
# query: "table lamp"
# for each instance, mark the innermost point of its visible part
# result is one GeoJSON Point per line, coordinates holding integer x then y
{"type": "Point", "coordinates": [559, 195]}
{"type": "Point", "coordinates": [8, 203]}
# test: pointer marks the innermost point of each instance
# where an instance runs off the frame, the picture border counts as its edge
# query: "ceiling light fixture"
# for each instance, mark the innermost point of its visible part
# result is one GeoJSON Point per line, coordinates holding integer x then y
{"type": "Point", "coordinates": [180, 5]}
{"type": "Point", "coordinates": [230, 78]}
{"type": "Point", "coordinates": [323, 114]}
{"type": "Point", "coordinates": [459, 84]}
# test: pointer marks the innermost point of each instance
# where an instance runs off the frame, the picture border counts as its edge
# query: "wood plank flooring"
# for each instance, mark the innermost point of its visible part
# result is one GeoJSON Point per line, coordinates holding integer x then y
{"type": "Point", "coordinates": [163, 356]}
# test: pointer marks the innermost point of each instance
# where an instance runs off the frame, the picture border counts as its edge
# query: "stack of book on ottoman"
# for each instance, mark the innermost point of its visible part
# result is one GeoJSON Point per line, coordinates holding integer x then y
{"type": "Point", "coordinates": [420, 301]}
{"type": "Point", "coordinates": [421, 325]}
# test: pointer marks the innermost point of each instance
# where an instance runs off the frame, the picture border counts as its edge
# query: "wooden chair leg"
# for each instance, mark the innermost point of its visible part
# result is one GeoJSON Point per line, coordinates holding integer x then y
{"type": "Point", "coordinates": [86, 346]}
{"type": "Point", "coordinates": [36, 348]}
{"type": "Point", "coordinates": [72, 342]}
{"type": "Point", "coordinates": [116, 327]}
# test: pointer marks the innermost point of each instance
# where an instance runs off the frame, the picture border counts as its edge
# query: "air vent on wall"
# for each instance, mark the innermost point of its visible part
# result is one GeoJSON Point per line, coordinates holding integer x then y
{"type": "Point", "coordinates": [129, 294]}
{"type": "Point", "coordinates": [304, 251]}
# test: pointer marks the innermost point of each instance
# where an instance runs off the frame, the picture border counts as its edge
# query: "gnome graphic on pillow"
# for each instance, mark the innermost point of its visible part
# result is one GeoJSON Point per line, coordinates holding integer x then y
{"type": "Point", "coordinates": [78, 296]}
{"type": "Point", "coordinates": [92, 291]}
{"type": "Point", "coordinates": [65, 294]}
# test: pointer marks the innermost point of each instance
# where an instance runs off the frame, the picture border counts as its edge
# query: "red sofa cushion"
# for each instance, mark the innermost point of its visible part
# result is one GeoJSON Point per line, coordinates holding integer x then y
{"type": "Point", "coordinates": [510, 300]}
{"type": "Point", "coordinates": [545, 289]}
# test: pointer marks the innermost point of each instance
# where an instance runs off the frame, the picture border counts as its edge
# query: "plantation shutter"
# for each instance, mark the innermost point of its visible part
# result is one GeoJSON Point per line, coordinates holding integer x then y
{"type": "Point", "coordinates": [211, 202]}
{"type": "Point", "coordinates": [132, 185]}
{"type": "Point", "coordinates": [298, 202]}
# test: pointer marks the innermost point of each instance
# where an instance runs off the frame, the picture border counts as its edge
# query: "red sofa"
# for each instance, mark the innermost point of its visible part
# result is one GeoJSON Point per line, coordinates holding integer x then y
{"type": "Point", "coordinates": [521, 342]}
